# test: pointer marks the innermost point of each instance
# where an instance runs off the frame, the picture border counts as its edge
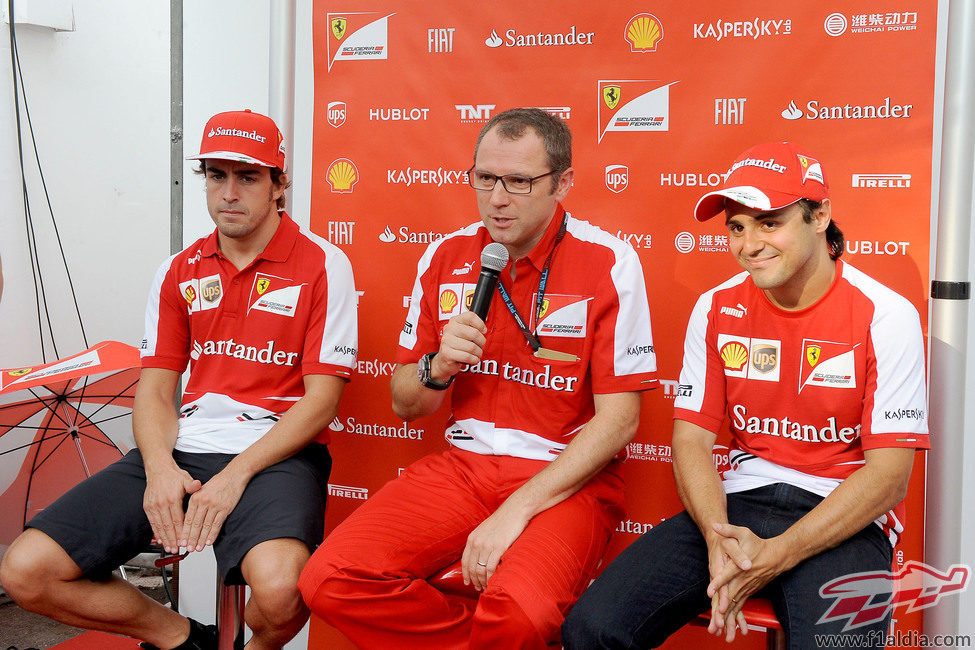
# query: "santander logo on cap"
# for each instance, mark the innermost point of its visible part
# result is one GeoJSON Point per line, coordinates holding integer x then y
{"type": "Point", "coordinates": [243, 136]}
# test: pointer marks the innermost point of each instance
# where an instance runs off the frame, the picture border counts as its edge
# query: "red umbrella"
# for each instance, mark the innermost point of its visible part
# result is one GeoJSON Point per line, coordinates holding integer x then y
{"type": "Point", "coordinates": [59, 423]}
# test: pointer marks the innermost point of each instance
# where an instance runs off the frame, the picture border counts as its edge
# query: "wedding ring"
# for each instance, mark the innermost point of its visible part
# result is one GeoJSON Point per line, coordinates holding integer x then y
{"type": "Point", "coordinates": [481, 564]}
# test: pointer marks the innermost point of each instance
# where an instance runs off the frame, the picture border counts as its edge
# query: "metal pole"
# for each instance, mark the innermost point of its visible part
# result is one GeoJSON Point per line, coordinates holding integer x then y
{"type": "Point", "coordinates": [176, 126]}
{"type": "Point", "coordinates": [950, 293]}
{"type": "Point", "coordinates": [282, 74]}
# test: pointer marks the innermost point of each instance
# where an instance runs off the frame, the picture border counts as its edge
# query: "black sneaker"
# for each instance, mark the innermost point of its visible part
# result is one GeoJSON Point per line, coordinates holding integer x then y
{"type": "Point", "coordinates": [202, 637]}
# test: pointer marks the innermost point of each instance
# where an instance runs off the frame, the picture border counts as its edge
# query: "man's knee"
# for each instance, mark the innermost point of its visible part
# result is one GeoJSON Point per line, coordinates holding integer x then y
{"type": "Point", "coordinates": [271, 570]}
{"type": "Point", "coordinates": [501, 621]}
{"type": "Point", "coordinates": [32, 565]}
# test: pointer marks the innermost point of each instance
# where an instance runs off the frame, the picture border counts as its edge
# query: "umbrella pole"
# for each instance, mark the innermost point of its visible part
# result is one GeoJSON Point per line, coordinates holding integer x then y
{"type": "Point", "coordinates": [77, 445]}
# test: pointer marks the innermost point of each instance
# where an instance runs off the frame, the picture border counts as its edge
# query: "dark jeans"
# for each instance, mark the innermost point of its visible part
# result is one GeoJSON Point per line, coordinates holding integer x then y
{"type": "Point", "coordinates": [658, 583]}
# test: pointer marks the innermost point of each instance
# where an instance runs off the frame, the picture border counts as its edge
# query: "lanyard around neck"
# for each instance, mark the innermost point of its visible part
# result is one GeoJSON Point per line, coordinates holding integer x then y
{"type": "Point", "coordinates": [540, 297]}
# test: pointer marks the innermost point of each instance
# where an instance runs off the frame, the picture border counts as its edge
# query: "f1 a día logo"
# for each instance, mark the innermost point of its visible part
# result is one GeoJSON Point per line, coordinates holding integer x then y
{"type": "Point", "coordinates": [865, 598]}
{"type": "Point", "coordinates": [356, 35]}
{"type": "Point", "coordinates": [633, 105]}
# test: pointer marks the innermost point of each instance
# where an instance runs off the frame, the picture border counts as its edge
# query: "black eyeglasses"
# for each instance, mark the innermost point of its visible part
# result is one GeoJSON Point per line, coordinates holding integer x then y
{"type": "Point", "coordinates": [512, 183]}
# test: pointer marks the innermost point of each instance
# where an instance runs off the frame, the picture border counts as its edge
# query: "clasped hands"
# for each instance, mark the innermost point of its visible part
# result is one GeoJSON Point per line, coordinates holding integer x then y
{"type": "Point", "coordinates": [741, 563]}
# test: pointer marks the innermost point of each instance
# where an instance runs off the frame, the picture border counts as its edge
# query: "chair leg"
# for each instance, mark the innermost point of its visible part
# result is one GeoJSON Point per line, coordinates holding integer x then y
{"type": "Point", "coordinates": [230, 616]}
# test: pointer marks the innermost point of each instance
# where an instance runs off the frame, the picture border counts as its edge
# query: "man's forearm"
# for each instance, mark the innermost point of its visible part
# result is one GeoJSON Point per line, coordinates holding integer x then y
{"type": "Point", "coordinates": [698, 482]}
{"type": "Point", "coordinates": [612, 427]}
{"type": "Point", "coordinates": [297, 427]}
{"type": "Point", "coordinates": [154, 416]}
{"type": "Point", "coordinates": [859, 500]}
{"type": "Point", "coordinates": [411, 399]}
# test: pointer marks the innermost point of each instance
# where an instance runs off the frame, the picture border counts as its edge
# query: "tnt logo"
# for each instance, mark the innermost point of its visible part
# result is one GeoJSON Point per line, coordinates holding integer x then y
{"type": "Point", "coordinates": [474, 113]}
{"type": "Point", "coordinates": [336, 114]}
{"type": "Point", "coordinates": [864, 598]}
{"type": "Point", "coordinates": [617, 178]}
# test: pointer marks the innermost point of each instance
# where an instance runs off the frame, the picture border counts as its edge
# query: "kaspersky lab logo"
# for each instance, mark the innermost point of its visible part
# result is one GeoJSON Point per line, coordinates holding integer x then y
{"type": "Point", "coordinates": [865, 598]}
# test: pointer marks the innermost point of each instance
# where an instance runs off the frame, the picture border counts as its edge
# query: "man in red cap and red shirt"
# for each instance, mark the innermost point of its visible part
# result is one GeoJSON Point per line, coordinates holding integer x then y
{"type": "Point", "coordinates": [264, 313]}
{"type": "Point", "coordinates": [819, 370]}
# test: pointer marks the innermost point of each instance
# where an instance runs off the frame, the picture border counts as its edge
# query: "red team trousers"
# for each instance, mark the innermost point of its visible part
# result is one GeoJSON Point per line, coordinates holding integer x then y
{"type": "Point", "coordinates": [368, 578]}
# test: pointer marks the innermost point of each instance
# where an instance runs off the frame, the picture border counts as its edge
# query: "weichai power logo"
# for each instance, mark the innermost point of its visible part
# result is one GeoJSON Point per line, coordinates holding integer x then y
{"type": "Point", "coordinates": [341, 175]}
{"type": "Point", "coordinates": [356, 36]}
{"type": "Point", "coordinates": [643, 32]}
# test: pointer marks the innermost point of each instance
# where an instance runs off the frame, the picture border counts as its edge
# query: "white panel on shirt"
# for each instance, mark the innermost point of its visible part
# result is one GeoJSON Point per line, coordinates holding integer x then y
{"type": "Point", "coordinates": [151, 336]}
{"type": "Point", "coordinates": [484, 438]}
{"type": "Point", "coordinates": [899, 348]}
{"type": "Point", "coordinates": [340, 338]}
{"type": "Point", "coordinates": [694, 370]}
{"type": "Point", "coordinates": [215, 423]}
{"type": "Point", "coordinates": [407, 336]}
{"type": "Point", "coordinates": [633, 320]}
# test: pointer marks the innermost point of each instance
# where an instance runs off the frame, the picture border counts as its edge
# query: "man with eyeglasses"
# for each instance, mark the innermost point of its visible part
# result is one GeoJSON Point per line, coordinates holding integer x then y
{"type": "Point", "coordinates": [546, 394]}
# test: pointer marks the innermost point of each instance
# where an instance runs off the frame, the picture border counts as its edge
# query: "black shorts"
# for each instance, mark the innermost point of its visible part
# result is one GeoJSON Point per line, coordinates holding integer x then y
{"type": "Point", "coordinates": [101, 523]}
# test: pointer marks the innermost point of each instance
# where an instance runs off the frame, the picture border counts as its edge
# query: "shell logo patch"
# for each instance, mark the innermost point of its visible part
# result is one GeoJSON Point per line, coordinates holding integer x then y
{"type": "Point", "coordinates": [749, 358]}
{"type": "Point", "coordinates": [453, 298]}
{"type": "Point", "coordinates": [734, 355]}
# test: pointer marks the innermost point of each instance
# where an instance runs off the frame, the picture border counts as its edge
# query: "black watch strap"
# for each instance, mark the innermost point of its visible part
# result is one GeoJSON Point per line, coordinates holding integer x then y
{"type": "Point", "coordinates": [423, 372]}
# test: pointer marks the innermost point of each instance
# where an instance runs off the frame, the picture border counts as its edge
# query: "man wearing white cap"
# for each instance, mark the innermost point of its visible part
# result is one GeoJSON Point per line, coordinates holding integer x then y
{"type": "Point", "coordinates": [264, 313]}
{"type": "Point", "coordinates": [819, 370]}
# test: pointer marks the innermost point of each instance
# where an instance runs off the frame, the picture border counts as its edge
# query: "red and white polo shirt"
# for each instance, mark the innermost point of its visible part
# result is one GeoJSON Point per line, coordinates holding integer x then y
{"type": "Point", "coordinates": [806, 392]}
{"type": "Point", "coordinates": [250, 336]}
{"type": "Point", "coordinates": [595, 308]}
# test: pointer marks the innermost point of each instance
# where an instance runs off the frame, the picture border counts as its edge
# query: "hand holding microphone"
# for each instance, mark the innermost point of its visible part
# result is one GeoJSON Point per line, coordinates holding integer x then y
{"type": "Point", "coordinates": [462, 341]}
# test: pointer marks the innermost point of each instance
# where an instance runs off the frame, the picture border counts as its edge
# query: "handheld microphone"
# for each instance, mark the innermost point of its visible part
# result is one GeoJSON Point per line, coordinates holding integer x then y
{"type": "Point", "coordinates": [494, 257]}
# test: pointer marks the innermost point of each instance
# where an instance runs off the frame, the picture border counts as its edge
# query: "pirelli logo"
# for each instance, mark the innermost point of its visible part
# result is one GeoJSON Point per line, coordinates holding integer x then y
{"type": "Point", "coordinates": [347, 492]}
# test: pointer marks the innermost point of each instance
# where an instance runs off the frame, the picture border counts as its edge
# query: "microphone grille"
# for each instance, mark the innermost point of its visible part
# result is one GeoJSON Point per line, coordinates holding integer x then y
{"type": "Point", "coordinates": [494, 256]}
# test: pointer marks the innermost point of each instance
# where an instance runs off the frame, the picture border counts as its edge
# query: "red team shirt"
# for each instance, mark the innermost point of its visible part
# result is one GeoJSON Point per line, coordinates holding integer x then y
{"type": "Point", "coordinates": [513, 403]}
{"type": "Point", "coordinates": [250, 336]}
{"type": "Point", "coordinates": [806, 392]}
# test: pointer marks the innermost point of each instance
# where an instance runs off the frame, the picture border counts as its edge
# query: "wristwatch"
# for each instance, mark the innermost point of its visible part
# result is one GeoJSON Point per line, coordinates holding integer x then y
{"type": "Point", "coordinates": [423, 372]}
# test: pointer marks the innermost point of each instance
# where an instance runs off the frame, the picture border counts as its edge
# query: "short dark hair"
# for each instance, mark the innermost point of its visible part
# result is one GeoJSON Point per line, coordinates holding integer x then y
{"type": "Point", "coordinates": [555, 134]}
{"type": "Point", "coordinates": [278, 177]}
{"type": "Point", "coordinates": [834, 236]}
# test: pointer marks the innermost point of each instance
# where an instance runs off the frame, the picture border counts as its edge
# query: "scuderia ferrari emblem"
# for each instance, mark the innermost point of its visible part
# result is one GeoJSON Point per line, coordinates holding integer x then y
{"type": "Point", "coordinates": [813, 353]}
{"type": "Point", "coordinates": [262, 285]}
{"type": "Point", "coordinates": [611, 95]}
{"type": "Point", "coordinates": [338, 27]}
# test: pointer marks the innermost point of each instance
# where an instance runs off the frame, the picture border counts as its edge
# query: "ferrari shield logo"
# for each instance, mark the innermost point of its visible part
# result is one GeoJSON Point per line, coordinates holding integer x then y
{"type": "Point", "coordinates": [190, 294]}
{"type": "Point", "coordinates": [19, 373]}
{"type": "Point", "coordinates": [544, 309]}
{"type": "Point", "coordinates": [262, 285]}
{"type": "Point", "coordinates": [611, 95]}
{"type": "Point", "coordinates": [812, 354]}
{"type": "Point", "coordinates": [338, 27]}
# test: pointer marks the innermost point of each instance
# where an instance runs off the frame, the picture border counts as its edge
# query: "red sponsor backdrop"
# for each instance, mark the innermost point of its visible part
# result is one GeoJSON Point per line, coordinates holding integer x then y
{"type": "Point", "coordinates": [660, 98]}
